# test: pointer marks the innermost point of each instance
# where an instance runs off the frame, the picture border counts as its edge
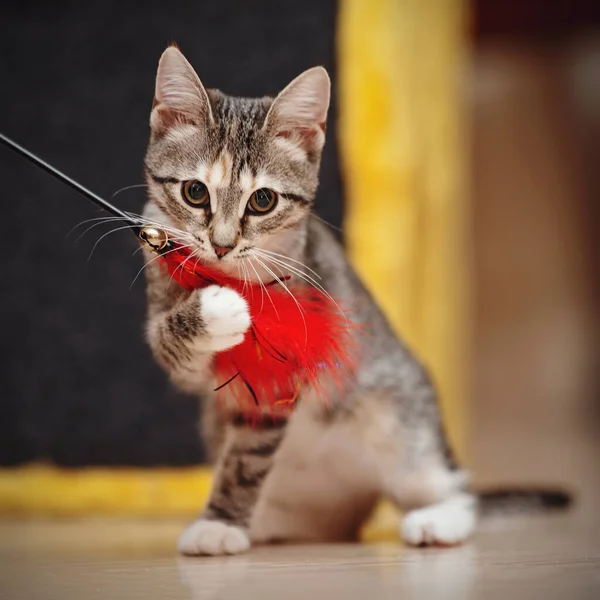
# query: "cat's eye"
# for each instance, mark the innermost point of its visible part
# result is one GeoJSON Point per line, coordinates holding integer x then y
{"type": "Point", "coordinates": [195, 193]}
{"type": "Point", "coordinates": [262, 201]}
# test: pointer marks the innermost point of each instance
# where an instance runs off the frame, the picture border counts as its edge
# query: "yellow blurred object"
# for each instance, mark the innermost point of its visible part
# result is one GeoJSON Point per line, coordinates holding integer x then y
{"type": "Point", "coordinates": [44, 490]}
{"type": "Point", "coordinates": [53, 491]}
{"type": "Point", "coordinates": [402, 149]}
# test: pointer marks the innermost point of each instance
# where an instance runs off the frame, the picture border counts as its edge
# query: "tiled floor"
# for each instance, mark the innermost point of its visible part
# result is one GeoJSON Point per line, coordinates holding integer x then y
{"type": "Point", "coordinates": [556, 557]}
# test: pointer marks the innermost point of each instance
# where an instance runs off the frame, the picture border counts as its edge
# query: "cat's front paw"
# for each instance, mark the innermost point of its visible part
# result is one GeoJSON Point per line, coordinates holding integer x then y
{"type": "Point", "coordinates": [444, 524]}
{"type": "Point", "coordinates": [212, 538]}
{"type": "Point", "coordinates": [225, 317]}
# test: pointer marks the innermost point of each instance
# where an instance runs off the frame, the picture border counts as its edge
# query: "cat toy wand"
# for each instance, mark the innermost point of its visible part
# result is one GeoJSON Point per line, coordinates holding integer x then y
{"type": "Point", "coordinates": [292, 337]}
{"type": "Point", "coordinates": [156, 239]}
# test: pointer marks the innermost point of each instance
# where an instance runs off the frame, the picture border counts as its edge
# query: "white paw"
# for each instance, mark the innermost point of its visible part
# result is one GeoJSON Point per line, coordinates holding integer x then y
{"type": "Point", "coordinates": [444, 524]}
{"type": "Point", "coordinates": [225, 316]}
{"type": "Point", "coordinates": [212, 538]}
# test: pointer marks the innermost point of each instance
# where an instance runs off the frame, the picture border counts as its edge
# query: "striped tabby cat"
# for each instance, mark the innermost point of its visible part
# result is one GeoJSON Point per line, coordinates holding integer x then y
{"type": "Point", "coordinates": [235, 179]}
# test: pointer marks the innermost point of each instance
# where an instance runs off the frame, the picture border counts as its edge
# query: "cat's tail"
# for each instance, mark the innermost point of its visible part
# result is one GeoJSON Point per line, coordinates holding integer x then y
{"type": "Point", "coordinates": [522, 501]}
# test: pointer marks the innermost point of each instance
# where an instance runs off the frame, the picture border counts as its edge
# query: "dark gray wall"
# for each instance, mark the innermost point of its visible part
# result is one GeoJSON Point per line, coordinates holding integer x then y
{"type": "Point", "coordinates": [77, 382]}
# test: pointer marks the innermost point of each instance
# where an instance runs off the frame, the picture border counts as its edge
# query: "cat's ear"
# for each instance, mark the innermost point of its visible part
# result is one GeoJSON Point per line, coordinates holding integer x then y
{"type": "Point", "coordinates": [299, 112]}
{"type": "Point", "coordinates": [179, 95]}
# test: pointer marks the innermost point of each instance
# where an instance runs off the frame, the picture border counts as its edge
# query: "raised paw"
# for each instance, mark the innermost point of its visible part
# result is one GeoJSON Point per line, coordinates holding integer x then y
{"type": "Point", "coordinates": [444, 524]}
{"type": "Point", "coordinates": [225, 316]}
{"type": "Point", "coordinates": [212, 538]}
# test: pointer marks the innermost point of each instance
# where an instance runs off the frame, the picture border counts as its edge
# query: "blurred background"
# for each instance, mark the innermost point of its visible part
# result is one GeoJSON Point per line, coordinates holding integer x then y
{"type": "Point", "coordinates": [462, 165]}
{"type": "Point", "coordinates": [534, 99]}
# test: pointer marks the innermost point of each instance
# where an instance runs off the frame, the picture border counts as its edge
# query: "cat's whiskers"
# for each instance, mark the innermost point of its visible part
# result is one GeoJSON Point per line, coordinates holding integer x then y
{"type": "Point", "coordinates": [282, 275]}
{"type": "Point", "coordinates": [307, 278]}
{"type": "Point", "coordinates": [134, 219]}
{"type": "Point", "coordinates": [129, 187]}
{"type": "Point", "coordinates": [240, 274]}
{"type": "Point", "coordinates": [285, 287]}
{"type": "Point", "coordinates": [198, 257]}
{"type": "Point", "coordinates": [283, 256]}
{"type": "Point", "coordinates": [263, 288]}
{"type": "Point", "coordinates": [99, 221]}
{"type": "Point", "coordinates": [105, 219]}
{"type": "Point", "coordinates": [141, 220]}
{"type": "Point", "coordinates": [176, 234]}
{"type": "Point", "coordinates": [105, 235]}
{"type": "Point", "coordinates": [334, 227]}
{"type": "Point", "coordinates": [156, 258]}
{"type": "Point", "coordinates": [181, 266]}
{"type": "Point", "coordinates": [247, 278]}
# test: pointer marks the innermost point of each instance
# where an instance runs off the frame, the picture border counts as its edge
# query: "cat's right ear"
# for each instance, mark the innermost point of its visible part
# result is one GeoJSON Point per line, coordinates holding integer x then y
{"type": "Point", "coordinates": [179, 95]}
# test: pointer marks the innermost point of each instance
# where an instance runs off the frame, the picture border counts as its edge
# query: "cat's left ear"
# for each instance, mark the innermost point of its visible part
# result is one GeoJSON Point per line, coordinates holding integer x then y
{"type": "Point", "coordinates": [299, 113]}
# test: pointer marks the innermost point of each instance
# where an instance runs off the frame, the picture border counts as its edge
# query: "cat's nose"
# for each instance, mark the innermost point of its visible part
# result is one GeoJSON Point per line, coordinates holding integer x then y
{"type": "Point", "coordinates": [221, 251]}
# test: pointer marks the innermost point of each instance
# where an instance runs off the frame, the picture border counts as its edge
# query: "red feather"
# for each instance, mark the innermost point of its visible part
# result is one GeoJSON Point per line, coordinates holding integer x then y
{"type": "Point", "coordinates": [291, 343]}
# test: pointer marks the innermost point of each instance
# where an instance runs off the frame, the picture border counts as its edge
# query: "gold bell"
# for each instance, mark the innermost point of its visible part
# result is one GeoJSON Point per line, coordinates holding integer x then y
{"type": "Point", "coordinates": [156, 239]}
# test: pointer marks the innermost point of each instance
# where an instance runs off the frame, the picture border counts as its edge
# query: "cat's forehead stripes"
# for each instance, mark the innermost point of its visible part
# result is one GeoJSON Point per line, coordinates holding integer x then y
{"type": "Point", "coordinates": [238, 123]}
{"type": "Point", "coordinates": [219, 173]}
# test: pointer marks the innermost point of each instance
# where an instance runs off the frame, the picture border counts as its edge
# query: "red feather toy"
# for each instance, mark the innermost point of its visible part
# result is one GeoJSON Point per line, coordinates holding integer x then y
{"type": "Point", "coordinates": [295, 340]}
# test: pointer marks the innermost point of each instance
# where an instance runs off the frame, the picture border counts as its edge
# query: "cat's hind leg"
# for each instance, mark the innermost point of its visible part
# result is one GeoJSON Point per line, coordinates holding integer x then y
{"type": "Point", "coordinates": [425, 482]}
{"type": "Point", "coordinates": [437, 507]}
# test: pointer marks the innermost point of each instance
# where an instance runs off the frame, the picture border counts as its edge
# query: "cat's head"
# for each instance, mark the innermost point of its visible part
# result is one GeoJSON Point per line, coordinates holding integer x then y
{"type": "Point", "coordinates": [234, 173]}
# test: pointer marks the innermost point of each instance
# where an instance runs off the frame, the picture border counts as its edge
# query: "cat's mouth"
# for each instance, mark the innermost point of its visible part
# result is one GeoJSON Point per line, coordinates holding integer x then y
{"type": "Point", "coordinates": [242, 261]}
{"type": "Point", "coordinates": [203, 253]}
{"type": "Point", "coordinates": [213, 254]}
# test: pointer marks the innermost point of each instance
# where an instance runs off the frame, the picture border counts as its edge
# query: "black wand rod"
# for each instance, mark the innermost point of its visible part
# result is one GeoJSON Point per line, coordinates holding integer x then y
{"type": "Point", "coordinates": [97, 200]}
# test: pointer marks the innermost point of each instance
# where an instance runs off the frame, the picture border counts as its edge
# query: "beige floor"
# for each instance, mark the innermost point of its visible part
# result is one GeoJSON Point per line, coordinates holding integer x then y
{"type": "Point", "coordinates": [557, 557]}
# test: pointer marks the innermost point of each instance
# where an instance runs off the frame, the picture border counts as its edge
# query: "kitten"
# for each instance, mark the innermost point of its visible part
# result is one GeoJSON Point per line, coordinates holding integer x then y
{"type": "Point", "coordinates": [236, 179]}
